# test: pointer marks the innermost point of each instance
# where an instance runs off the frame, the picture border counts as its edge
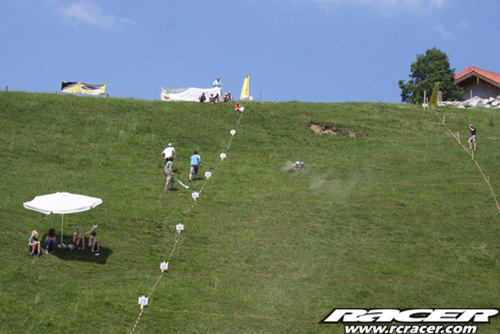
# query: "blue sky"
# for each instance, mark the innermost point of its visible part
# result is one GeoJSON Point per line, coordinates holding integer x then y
{"type": "Point", "coordinates": [305, 50]}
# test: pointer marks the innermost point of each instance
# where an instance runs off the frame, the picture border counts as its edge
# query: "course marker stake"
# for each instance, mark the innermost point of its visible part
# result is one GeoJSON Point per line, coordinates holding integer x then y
{"type": "Point", "coordinates": [163, 266]}
{"type": "Point", "coordinates": [208, 175]}
{"type": "Point", "coordinates": [143, 301]}
{"type": "Point", "coordinates": [233, 132]}
{"type": "Point", "coordinates": [223, 156]}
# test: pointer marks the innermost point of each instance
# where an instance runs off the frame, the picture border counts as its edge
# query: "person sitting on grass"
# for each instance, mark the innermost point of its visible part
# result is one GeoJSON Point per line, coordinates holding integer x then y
{"type": "Point", "coordinates": [202, 98]}
{"type": "Point", "coordinates": [34, 244]}
{"type": "Point", "coordinates": [50, 242]}
{"type": "Point", "coordinates": [237, 107]}
{"type": "Point", "coordinates": [78, 238]}
{"type": "Point", "coordinates": [94, 243]}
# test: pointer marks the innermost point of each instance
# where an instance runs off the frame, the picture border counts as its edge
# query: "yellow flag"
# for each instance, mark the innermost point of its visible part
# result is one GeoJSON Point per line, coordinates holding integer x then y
{"type": "Point", "coordinates": [245, 90]}
{"type": "Point", "coordinates": [433, 103]}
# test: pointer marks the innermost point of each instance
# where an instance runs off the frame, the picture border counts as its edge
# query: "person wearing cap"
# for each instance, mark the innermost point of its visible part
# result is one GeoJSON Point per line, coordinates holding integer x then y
{"type": "Point", "coordinates": [472, 139]}
{"type": "Point", "coordinates": [195, 165]}
{"type": "Point", "coordinates": [169, 151]}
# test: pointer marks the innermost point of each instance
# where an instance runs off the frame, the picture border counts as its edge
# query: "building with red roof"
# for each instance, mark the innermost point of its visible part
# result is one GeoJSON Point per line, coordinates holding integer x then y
{"type": "Point", "coordinates": [478, 82]}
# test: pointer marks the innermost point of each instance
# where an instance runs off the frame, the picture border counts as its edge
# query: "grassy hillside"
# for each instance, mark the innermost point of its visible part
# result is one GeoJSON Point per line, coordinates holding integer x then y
{"type": "Point", "coordinates": [389, 212]}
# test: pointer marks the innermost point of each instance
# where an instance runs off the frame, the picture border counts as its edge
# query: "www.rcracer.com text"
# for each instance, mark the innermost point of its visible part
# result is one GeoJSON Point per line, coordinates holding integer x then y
{"type": "Point", "coordinates": [409, 329]}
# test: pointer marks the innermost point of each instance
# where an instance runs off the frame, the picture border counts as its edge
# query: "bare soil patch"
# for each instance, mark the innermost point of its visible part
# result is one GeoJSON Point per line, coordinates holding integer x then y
{"type": "Point", "coordinates": [322, 129]}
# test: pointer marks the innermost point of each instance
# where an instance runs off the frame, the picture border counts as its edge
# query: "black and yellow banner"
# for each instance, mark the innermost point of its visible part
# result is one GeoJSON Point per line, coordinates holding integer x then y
{"type": "Point", "coordinates": [82, 88]}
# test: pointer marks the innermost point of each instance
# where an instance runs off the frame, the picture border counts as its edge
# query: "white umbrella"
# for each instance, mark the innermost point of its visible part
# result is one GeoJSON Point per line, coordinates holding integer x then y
{"type": "Point", "coordinates": [62, 203]}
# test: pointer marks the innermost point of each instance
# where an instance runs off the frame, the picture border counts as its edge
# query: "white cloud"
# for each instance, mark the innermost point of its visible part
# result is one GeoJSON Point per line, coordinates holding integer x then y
{"type": "Point", "coordinates": [420, 5]}
{"type": "Point", "coordinates": [87, 12]}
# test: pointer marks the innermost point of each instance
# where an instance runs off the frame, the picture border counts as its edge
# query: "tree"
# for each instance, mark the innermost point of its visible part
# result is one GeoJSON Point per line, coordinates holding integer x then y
{"type": "Point", "coordinates": [428, 69]}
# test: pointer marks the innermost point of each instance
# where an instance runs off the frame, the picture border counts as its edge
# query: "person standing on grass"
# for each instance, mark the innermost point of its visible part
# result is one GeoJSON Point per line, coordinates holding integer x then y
{"type": "Point", "coordinates": [217, 83]}
{"type": "Point", "coordinates": [195, 165]}
{"type": "Point", "coordinates": [50, 242]}
{"type": "Point", "coordinates": [169, 151]}
{"type": "Point", "coordinates": [34, 244]}
{"type": "Point", "coordinates": [472, 139]}
{"type": "Point", "coordinates": [169, 173]}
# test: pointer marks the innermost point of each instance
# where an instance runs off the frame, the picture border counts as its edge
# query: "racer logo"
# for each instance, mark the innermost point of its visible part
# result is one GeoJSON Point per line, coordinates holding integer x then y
{"type": "Point", "coordinates": [438, 315]}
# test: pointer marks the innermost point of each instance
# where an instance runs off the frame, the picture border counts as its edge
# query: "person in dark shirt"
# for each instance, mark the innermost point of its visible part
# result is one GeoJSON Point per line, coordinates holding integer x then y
{"type": "Point", "coordinates": [472, 139]}
{"type": "Point", "coordinates": [202, 98]}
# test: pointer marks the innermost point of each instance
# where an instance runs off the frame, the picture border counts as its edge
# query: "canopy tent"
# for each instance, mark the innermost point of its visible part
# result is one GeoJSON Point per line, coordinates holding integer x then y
{"type": "Point", "coordinates": [62, 203]}
{"type": "Point", "coordinates": [188, 94]}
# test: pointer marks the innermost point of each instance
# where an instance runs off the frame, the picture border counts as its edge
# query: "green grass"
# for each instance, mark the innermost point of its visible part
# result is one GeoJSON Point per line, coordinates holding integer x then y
{"type": "Point", "coordinates": [397, 217]}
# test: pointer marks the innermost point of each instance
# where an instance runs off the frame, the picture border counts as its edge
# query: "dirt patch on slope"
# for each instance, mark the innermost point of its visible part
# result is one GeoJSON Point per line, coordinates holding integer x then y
{"type": "Point", "coordinates": [322, 129]}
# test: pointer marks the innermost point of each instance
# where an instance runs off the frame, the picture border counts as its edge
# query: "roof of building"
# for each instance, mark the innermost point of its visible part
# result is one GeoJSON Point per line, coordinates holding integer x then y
{"type": "Point", "coordinates": [471, 71]}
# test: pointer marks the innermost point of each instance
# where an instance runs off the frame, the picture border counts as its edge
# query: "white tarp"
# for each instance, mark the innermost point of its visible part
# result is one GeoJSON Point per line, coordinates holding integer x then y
{"type": "Point", "coordinates": [188, 94]}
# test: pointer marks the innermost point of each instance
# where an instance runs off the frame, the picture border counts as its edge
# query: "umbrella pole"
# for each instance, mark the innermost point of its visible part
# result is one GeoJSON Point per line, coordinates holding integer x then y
{"type": "Point", "coordinates": [62, 227]}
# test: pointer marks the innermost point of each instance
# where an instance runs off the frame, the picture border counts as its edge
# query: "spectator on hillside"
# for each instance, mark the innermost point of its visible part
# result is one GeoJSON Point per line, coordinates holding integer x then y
{"type": "Point", "coordinates": [50, 242]}
{"type": "Point", "coordinates": [229, 97]}
{"type": "Point", "coordinates": [239, 108]}
{"type": "Point", "coordinates": [94, 243]}
{"type": "Point", "coordinates": [217, 83]}
{"type": "Point", "coordinates": [169, 151]}
{"type": "Point", "coordinates": [78, 238]}
{"type": "Point", "coordinates": [195, 165]}
{"type": "Point", "coordinates": [472, 139]}
{"type": "Point", "coordinates": [202, 98]}
{"type": "Point", "coordinates": [34, 244]}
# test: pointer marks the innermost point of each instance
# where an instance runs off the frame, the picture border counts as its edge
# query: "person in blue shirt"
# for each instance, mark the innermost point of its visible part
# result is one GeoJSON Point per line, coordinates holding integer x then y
{"type": "Point", "coordinates": [217, 83]}
{"type": "Point", "coordinates": [195, 165]}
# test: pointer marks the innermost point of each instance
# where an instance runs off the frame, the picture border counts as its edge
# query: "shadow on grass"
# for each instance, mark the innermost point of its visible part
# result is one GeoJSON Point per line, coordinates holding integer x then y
{"type": "Point", "coordinates": [84, 255]}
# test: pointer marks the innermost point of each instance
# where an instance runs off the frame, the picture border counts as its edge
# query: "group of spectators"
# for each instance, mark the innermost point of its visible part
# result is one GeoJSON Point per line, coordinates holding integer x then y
{"type": "Point", "coordinates": [216, 98]}
{"type": "Point", "coordinates": [35, 245]}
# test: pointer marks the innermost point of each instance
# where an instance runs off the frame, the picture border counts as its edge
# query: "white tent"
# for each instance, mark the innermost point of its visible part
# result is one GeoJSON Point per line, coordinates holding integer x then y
{"type": "Point", "coordinates": [62, 203]}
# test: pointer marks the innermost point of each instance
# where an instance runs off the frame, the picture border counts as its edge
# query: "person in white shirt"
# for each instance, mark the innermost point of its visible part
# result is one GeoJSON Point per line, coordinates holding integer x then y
{"type": "Point", "coordinates": [217, 83]}
{"type": "Point", "coordinates": [168, 152]}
